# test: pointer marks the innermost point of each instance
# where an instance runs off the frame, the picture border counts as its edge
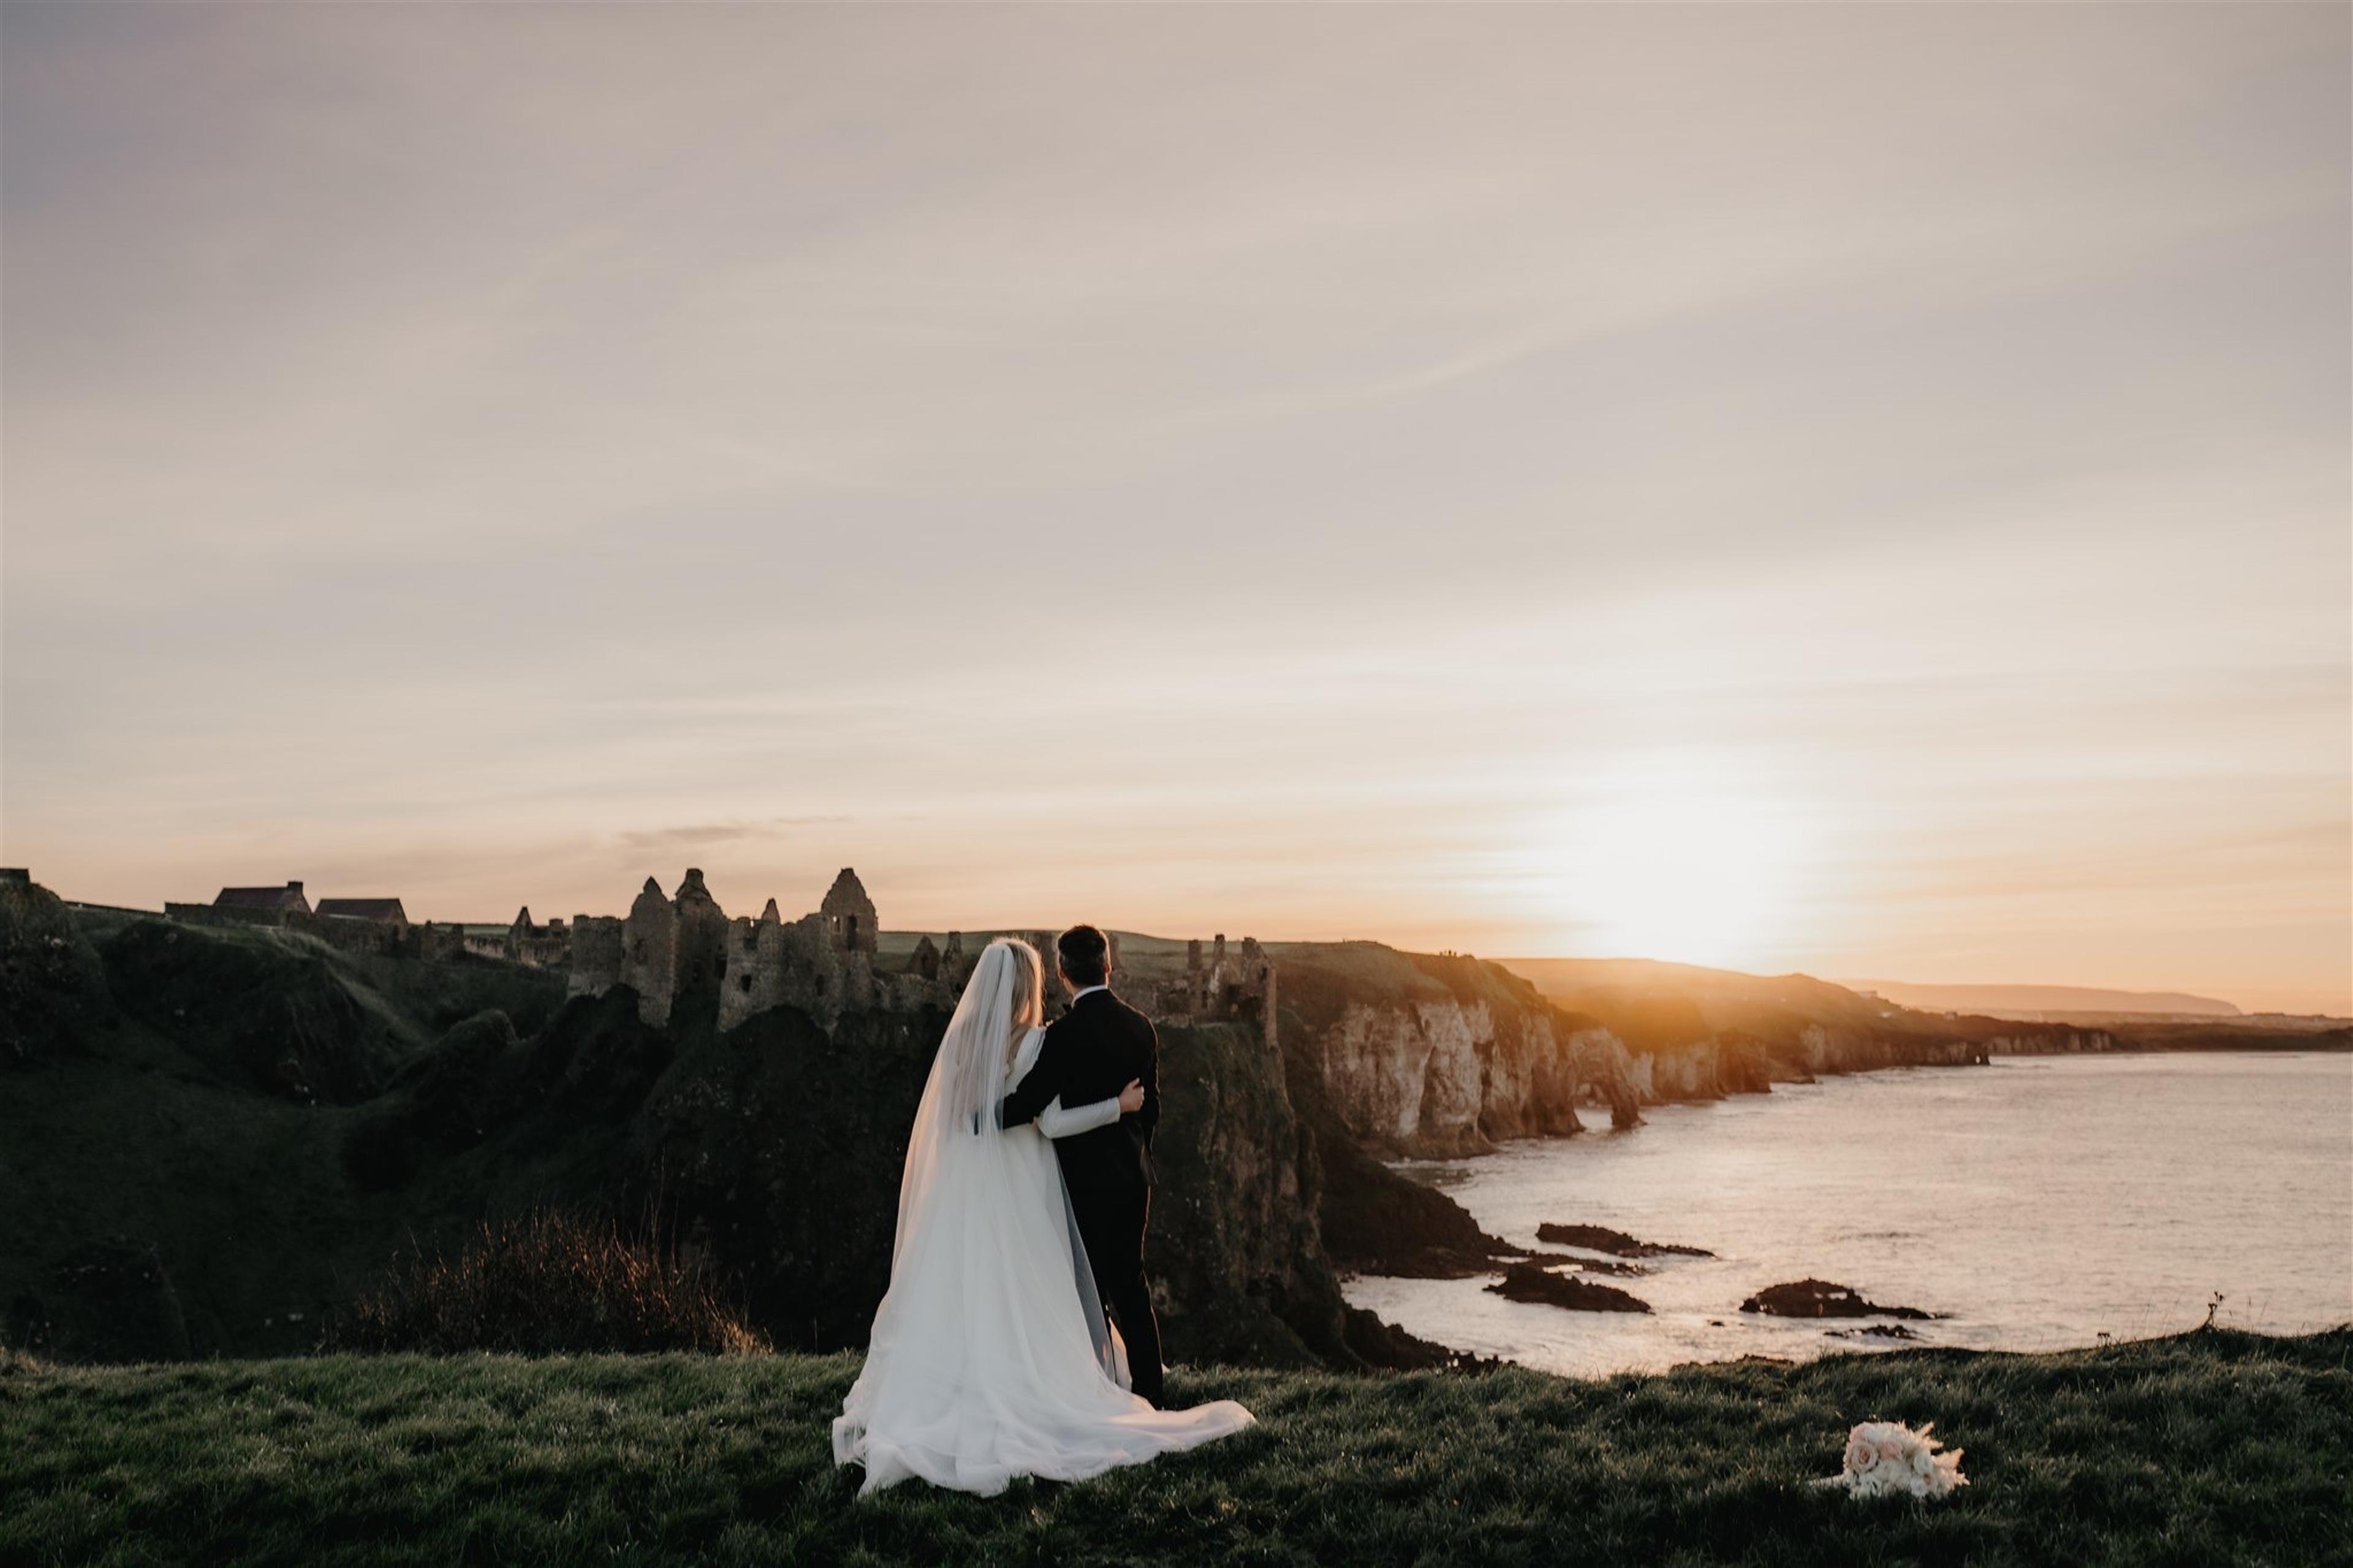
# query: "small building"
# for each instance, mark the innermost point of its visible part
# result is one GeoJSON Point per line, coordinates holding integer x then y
{"type": "Point", "coordinates": [264, 900]}
{"type": "Point", "coordinates": [383, 911]}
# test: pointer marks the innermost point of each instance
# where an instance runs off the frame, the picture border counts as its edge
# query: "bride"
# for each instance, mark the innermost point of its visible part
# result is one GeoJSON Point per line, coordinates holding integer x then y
{"type": "Point", "coordinates": [991, 1357]}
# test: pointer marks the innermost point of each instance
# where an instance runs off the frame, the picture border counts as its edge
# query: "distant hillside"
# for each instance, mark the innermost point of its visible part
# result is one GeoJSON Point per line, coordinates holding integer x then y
{"type": "Point", "coordinates": [2001, 1001]}
{"type": "Point", "coordinates": [1654, 1004]}
{"type": "Point", "coordinates": [1644, 994]}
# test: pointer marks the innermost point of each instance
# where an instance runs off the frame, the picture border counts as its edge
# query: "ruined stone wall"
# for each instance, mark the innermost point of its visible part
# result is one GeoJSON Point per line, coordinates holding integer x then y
{"type": "Point", "coordinates": [678, 951]}
{"type": "Point", "coordinates": [379, 937]}
{"type": "Point", "coordinates": [597, 945]}
{"type": "Point", "coordinates": [649, 953]}
{"type": "Point", "coordinates": [438, 939]}
{"type": "Point", "coordinates": [1214, 989]}
{"type": "Point", "coordinates": [756, 963]}
{"type": "Point", "coordinates": [701, 944]}
{"type": "Point", "coordinates": [851, 920]}
{"type": "Point", "coordinates": [223, 915]}
{"type": "Point", "coordinates": [547, 947]}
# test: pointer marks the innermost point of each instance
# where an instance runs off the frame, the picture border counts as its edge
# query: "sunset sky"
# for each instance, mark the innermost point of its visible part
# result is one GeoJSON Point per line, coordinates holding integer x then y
{"type": "Point", "coordinates": [1855, 489]}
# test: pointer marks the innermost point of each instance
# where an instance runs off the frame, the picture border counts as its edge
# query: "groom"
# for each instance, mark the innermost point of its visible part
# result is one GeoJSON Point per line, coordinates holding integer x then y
{"type": "Point", "coordinates": [1089, 1052]}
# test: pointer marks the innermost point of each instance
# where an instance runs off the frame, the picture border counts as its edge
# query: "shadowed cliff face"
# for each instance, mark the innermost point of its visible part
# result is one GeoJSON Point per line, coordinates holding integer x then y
{"type": "Point", "coordinates": [777, 1147]}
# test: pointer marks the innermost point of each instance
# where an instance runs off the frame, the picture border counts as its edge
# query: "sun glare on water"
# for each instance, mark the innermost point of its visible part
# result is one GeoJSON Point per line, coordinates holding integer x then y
{"type": "Point", "coordinates": [1678, 863]}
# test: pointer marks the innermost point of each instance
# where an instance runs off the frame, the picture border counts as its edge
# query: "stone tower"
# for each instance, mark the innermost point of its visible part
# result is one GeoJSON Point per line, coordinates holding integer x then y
{"type": "Point", "coordinates": [755, 981]}
{"type": "Point", "coordinates": [649, 953]}
{"type": "Point", "coordinates": [849, 914]}
{"type": "Point", "coordinates": [927, 962]}
{"type": "Point", "coordinates": [701, 943]}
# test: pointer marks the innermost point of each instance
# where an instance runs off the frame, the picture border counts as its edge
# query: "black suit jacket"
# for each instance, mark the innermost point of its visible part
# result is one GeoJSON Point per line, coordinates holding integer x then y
{"type": "Point", "coordinates": [1090, 1053]}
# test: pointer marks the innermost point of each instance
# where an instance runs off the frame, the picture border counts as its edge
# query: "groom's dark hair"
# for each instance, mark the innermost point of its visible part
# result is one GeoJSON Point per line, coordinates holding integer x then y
{"type": "Point", "coordinates": [1085, 956]}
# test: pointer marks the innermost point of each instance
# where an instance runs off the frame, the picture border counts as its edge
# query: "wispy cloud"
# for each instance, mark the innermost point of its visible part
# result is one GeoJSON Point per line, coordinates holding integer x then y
{"type": "Point", "coordinates": [1208, 466]}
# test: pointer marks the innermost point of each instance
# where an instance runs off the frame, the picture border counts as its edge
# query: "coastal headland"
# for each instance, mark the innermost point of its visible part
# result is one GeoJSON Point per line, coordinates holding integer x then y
{"type": "Point", "coordinates": [219, 1129]}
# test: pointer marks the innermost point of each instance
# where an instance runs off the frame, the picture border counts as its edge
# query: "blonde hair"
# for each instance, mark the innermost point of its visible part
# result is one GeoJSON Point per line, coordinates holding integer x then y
{"type": "Point", "coordinates": [1029, 993]}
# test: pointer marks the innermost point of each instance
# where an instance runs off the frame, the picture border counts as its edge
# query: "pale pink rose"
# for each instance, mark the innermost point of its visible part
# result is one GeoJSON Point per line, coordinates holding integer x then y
{"type": "Point", "coordinates": [1891, 1448]}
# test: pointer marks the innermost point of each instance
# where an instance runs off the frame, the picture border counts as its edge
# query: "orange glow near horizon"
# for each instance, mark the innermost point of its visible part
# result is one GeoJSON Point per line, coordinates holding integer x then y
{"type": "Point", "coordinates": [1678, 860]}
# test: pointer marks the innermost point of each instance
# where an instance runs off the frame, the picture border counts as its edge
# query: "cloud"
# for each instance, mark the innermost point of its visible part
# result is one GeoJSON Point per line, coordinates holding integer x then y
{"type": "Point", "coordinates": [714, 832]}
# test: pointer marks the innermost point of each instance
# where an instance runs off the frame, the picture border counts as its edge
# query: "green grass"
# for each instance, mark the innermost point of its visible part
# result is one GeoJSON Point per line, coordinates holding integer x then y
{"type": "Point", "coordinates": [2210, 1447]}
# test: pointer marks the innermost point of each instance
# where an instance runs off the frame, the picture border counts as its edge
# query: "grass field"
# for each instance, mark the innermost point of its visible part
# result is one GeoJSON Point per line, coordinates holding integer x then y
{"type": "Point", "coordinates": [2209, 1447]}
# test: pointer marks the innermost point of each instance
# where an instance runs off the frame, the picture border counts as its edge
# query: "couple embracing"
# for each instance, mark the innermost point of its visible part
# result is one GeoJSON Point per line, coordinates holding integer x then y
{"type": "Point", "coordinates": [1016, 1337]}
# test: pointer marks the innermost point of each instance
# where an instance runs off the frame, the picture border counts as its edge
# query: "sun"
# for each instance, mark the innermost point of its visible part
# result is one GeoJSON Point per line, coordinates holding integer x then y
{"type": "Point", "coordinates": [1676, 862]}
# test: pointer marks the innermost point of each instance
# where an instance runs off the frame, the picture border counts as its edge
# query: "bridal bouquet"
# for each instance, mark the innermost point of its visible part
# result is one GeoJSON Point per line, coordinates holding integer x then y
{"type": "Point", "coordinates": [1885, 1457]}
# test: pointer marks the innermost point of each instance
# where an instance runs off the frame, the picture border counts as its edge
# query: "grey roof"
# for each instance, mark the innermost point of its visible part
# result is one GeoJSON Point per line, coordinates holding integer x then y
{"type": "Point", "coordinates": [363, 909]}
{"type": "Point", "coordinates": [259, 897]}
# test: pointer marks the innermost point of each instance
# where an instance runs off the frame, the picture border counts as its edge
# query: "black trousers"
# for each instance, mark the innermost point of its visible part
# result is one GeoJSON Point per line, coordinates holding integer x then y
{"type": "Point", "coordinates": [1112, 1224]}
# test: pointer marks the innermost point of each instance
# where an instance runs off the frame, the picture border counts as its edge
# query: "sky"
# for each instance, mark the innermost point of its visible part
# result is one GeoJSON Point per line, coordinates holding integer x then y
{"type": "Point", "coordinates": [1864, 491]}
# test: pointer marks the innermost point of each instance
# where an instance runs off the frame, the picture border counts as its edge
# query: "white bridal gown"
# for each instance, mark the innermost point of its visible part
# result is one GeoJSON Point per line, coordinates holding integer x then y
{"type": "Point", "coordinates": [990, 1358]}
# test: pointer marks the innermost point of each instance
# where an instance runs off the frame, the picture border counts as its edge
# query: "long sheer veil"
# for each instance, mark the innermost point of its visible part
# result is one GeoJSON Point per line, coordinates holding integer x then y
{"type": "Point", "coordinates": [955, 1127]}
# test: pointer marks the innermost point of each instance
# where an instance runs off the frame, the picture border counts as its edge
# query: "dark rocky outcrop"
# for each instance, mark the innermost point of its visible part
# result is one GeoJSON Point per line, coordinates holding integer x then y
{"type": "Point", "coordinates": [264, 1009]}
{"type": "Point", "coordinates": [1243, 1268]}
{"type": "Point", "coordinates": [1820, 1299]}
{"type": "Point", "coordinates": [1373, 1220]}
{"type": "Point", "coordinates": [106, 1300]}
{"type": "Point", "coordinates": [777, 1148]}
{"type": "Point", "coordinates": [1535, 1282]}
{"type": "Point", "coordinates": [1617, 1243]}
{"type": "Point", "coordinates": [52, 984]}
{"type": "Point", "coordinates": [477, 1077]}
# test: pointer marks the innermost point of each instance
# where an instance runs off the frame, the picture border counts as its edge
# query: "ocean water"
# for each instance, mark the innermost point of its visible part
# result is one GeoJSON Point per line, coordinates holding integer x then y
{"type": "Point", "coordinates": [2041, 1201]}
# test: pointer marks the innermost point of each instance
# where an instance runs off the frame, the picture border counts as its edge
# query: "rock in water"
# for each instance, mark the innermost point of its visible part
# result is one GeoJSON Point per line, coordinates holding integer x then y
{"type": "Point", "coordinates": [1820, 1299]}
{"type": "Point", "coordinates": [1533, 1283]}
{"type": "Point", "coordinates": [1601, 1239]}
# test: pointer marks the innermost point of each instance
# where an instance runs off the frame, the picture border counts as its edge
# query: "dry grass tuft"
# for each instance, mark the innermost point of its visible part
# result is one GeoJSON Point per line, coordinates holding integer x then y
{"type": "Point", "coordinates": [550, 1282]}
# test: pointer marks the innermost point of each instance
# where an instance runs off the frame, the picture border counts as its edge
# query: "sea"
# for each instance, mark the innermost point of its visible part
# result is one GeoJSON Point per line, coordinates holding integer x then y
{"type": "Point", "coordinates": [2040, 1202]}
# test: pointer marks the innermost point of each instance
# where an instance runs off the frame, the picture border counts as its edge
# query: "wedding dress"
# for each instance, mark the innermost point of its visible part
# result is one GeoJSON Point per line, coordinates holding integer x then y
{"type": "Point", "coordinates": [991, 1357]}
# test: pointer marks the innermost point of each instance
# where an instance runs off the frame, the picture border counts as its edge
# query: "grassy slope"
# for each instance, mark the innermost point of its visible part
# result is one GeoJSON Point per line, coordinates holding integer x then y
{"type": "Point", "coordinates": [2209, 1447]}
{"type": "Point", "coordinates": [138, 1135]}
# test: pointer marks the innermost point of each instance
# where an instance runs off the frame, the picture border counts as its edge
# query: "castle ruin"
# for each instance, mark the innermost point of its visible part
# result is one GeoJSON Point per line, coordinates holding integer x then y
{"type": "Point", "coordinates": [682, 952]}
